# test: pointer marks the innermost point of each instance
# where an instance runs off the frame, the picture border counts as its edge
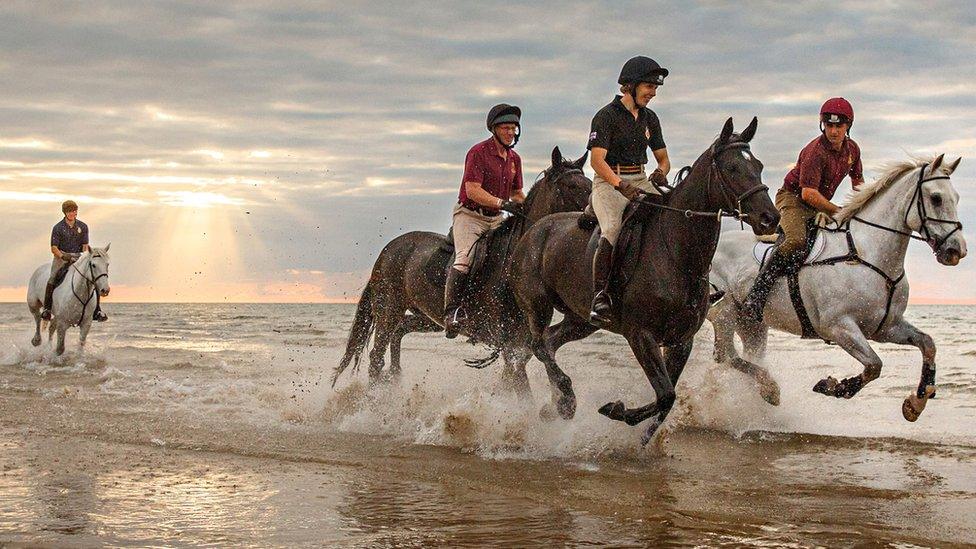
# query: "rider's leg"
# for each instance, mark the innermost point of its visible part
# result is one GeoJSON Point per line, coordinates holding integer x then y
{"type": "Point", "coordinates": [52, 282]}
{"type": "Point", "coordinates": [609, 206]}
{"type": "Point", "coordinates": [787, 255]}
{"type": "Point", "coordinates": [467, 229]}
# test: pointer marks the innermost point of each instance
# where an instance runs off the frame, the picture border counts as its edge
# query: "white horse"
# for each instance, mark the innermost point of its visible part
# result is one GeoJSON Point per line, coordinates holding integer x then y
{"type": "Point", "coordinates": [853, 285]}
{"type": "Point", "coordinates": [74, 298]}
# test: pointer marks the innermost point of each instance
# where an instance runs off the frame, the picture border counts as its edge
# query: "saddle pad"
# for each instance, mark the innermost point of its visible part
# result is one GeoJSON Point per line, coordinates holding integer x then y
{"type": "Point", "coordinates": [761, 250]}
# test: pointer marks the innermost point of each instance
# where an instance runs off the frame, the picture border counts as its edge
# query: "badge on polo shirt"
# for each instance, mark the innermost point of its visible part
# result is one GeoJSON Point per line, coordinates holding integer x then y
{"type": "Point", "coordinates": [647, 133]}
{"type": "Point", "coordinates": [78, 229]}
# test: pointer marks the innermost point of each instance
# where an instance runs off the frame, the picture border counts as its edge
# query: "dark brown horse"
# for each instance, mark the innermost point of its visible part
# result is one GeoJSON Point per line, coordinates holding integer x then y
{"type": "Point", "coordinates": [405, 292]}
{"type": "Point", "coordinates": [665, 298]}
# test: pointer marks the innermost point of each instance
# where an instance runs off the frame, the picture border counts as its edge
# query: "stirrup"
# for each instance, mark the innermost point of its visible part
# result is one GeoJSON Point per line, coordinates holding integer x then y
{"type": "Point", "coordinates": [597, 319]}
{"type": "Point", "coordinates": [452, 322]}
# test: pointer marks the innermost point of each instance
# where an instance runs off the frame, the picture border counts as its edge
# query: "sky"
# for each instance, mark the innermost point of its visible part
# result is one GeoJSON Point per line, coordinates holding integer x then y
{"type": "Point", "coordinates": [266, 151]}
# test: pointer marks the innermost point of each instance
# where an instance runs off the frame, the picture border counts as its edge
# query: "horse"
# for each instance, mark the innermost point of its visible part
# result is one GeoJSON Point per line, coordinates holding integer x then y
{"type": "Point", "coordinates": [74, 299]}
{"type": "Point", "coordinates": [405, 292]}
{"type": "Point", "coordinates": [666, 298]}
{"type": "Point", "coordinates": [854, 290]}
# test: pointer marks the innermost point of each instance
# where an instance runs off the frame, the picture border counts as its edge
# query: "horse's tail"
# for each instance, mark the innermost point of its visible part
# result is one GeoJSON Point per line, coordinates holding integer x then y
{"type": "Point", "coordinates": [362, 329]}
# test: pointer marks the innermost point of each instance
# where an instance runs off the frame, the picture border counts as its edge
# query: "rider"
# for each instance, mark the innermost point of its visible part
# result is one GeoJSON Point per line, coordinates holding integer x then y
{"type": "Point", "coordinates": [492, 182]}
{"type": "Point", "coordinates": [620, 134]}
{"type": "Point", "coordinates": [69, 238]}
{"type": "Point", "coordinates": [807, 189]}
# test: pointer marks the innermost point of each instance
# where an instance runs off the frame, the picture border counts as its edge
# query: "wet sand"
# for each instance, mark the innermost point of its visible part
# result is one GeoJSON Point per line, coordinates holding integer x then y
{"type": "Point", "coordinates": [72, 474]}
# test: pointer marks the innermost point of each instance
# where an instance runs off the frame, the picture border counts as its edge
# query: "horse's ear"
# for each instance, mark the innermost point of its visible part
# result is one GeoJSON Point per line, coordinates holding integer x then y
{"type": "Point", "coordinates": [107, 246]}
{"type": "Point", "coordinates": [952, 167]}
{"type": "Point", "coordinates": [582, 161]}
{"type": "Point", "coordinates": [557, 157]}
{"type": "Point", "coordinates": [726, 131]}
{"type": "Point", "coordinates": [936, 163]}
{"type": "Point", "coordinates": [750, 131]}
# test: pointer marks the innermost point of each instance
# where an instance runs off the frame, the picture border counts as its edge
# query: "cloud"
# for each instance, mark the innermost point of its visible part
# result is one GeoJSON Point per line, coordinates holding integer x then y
{"type": "Point", "coordinates": [322, 131]}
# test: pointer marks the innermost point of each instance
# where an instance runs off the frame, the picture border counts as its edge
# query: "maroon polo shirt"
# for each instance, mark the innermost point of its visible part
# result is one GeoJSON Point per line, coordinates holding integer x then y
{"type": "Point", "coordinates": [821, 167]}
{"type": "Point", "coordinates": [497, 175]}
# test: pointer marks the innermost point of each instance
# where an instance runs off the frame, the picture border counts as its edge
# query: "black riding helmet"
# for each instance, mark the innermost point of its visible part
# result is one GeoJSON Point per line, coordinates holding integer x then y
{"type": "Point", "coordinates": [504, 113]}
{"type": "Point", "coordinates": [641, 69]}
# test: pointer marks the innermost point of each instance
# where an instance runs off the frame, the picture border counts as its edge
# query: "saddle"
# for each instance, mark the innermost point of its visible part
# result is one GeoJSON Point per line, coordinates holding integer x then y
{"type": "Point", "coordinates": [60, 275]}
{"type": "Point", "coordinates": [443, 259]}
{"type": "Point", "coordinates": [637, 218]}
{"type": "Point", "coordinates": [816, 242]}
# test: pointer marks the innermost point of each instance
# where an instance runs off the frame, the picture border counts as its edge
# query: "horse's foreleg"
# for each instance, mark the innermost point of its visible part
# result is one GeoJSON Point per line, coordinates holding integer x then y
{"type": "Point", "coordinates": [59, 350]}
{"type": "Point", "coordinates": [850, 338]}
{"type": "Point", "coordinates": [36, 340]}
{"type": "Point", "coordinates": [538, 311]}
{"type": "Point", "coordinates": [83, 333]}
{"type": "Point", "coordinates": [904, 333]}
{"type": "Point", "coordinates": [649, 355]}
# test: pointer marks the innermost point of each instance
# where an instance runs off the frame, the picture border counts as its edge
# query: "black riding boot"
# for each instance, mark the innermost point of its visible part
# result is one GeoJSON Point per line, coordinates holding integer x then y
{"type": "Point", "coordinates": [778, 265]}
{"type": "Point", "coordinates": [602, 308]}
{"type": "Point", "coordinates": [453, 290]}
{"type": "Point", "coordinates": [48, 301]}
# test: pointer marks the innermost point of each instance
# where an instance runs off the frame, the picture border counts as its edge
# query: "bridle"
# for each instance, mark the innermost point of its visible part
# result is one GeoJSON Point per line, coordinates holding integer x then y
{"type": "Point", "coordinates": [919, 203]}
{"type": "Point", "coordinates": [89, 282]}
{"type": "Point", "coordinates": [733, 201]}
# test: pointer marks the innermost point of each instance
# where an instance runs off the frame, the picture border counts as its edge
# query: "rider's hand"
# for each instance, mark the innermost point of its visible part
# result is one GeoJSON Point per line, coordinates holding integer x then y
{"type": "Point", "coordinates": [823, 219]}
{"type": "Point", "coordinates": [628, 189]}
{"type": "Point", "coordinates": [69, 258]}
{"type": "Point", "coordinates": [512, 207]}
{"type": "Point", "coordinates": [658, 178]}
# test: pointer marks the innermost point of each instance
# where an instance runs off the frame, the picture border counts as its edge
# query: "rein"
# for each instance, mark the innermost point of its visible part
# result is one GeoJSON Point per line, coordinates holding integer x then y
{"type": "Point", "coordinates": [89, 283]}
{"type": "Point", "coordinates": [727, 192]}
{"type": "Point", "coordinates": [854, 257]}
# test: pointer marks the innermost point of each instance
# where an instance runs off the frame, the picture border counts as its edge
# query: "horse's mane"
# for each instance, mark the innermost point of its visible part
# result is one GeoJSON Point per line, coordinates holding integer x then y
{"type": "Point", "coordinates": [533, 192]}
{"type": "Point", "coordinates": [893, 171]}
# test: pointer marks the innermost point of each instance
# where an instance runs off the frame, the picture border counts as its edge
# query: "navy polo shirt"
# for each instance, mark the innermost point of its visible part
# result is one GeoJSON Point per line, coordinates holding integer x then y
{"type": "Point", "coordinates": [70, 239]}
{"type": "Point", "coordinates": [625, 138]}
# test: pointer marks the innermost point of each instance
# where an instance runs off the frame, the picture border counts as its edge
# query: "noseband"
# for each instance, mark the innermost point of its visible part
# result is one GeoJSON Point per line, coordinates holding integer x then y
{"type": "Point", "coordinates": [733, 201]}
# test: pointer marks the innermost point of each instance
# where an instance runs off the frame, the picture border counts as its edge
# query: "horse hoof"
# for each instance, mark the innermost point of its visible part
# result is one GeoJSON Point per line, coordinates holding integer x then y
{"type": "Point", "coordinates": [826, 386]}
{"type": "Point", "coordinates": [613, 410]}
{"type": "Point", "coordinates": [770, 393]}
{"type": "Point", "coordinates": [913, 406]}
{"type": "Point", "coordinates": [650, 431]}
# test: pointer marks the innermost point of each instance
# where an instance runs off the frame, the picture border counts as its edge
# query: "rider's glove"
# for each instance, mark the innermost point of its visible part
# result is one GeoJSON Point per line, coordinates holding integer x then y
{"type": "Point", "coordinates": [628, 189]}
{"type": "Point", "coordinates": [512, 207]}
{"type": "Point", "coordinates": [69, 258]}
{"type": "Point", "coordinates": [658, 178]}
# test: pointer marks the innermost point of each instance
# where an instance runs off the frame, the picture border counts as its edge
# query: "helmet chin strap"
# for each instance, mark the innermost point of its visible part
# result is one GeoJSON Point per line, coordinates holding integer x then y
{"type": "Point", "coordinates": [518, 132]}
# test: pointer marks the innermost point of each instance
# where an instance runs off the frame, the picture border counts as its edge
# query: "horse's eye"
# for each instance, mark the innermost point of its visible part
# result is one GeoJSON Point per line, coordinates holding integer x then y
{"type": "Point", "coordinates": [937, 200]}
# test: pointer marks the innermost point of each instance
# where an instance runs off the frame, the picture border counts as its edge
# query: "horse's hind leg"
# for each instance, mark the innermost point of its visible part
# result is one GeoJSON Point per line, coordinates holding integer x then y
{"type": "Point", "coordinates": [385, 327]}
{"type": "Point", "coordinates": [849, 337]}
{"type": "Point", "coordinates": [59, 350]}
{"type": "Point", "coordinates": [412, 323]}
{"type": "Point", "coordinates": [538, 315]}
{"type": "Point", "coordinates": [754, 336]}
{"type": "Point", "coordinates": [903, 333]}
